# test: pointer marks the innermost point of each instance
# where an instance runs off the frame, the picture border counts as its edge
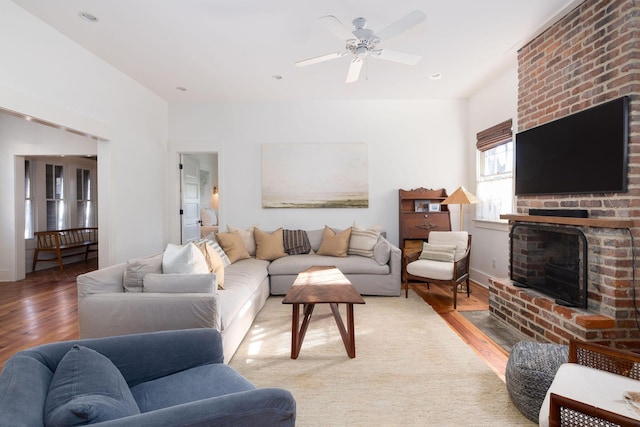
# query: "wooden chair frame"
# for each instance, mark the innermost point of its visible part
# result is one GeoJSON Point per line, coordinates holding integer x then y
{"type": "Point", "coordinates": [597, 356]}
{"type": "Point", "coordinates": [460, 273]}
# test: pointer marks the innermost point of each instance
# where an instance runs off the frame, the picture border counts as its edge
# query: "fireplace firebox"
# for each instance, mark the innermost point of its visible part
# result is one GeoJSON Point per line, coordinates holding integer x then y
{"type": "Point", "coordinates": [552, 260]}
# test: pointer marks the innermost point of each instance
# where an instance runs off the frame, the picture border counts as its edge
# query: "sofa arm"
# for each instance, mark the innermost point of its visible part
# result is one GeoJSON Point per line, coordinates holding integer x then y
{"type": "Point", "coordinates": [109, 314]}
{"type": "Point", "coordinates": [104, 280]}
{"type": "Point", "coordinates": [395, 260]}
{"type": "Point", "coordinates": [259, 407]}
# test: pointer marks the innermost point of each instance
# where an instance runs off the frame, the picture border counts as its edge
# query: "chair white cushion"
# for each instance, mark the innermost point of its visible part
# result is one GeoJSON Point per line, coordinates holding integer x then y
{"type": "Point", "coordinates": [458, 238]}
{"type": "Point", "coordinates": [431, 269]}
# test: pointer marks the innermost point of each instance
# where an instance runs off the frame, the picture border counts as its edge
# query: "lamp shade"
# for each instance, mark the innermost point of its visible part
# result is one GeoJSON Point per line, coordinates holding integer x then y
{"type": "Point", "coordinates": [461, 197]}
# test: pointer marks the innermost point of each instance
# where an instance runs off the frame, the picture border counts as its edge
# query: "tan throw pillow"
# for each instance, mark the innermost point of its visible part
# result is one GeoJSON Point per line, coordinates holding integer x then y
{"type": "Point", "coordinates": [269, 246]}
{"type": "Point", "coordinates": [334, 244]}
{"type": "Point", "coordinates": [233, 246]}
{"type": "Point", "coordinates": [247, 237]}
{"type": "Point", "coordinates": [213, 261]}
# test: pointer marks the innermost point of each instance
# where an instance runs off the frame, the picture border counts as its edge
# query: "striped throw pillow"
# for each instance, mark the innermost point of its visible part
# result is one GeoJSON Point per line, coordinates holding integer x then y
{"type": "Point", "coordinates": [225, 259]}
{"type": "Point", "coordinates": [296, 242]}
{"type": "Point", "coordinates": [363, 240]}
{"type": "Point", "coordinates": [433, 252]}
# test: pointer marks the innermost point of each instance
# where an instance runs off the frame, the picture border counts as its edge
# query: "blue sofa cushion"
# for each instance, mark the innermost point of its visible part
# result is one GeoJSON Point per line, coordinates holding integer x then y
{"type": "Point", "coordinates": [194, 384]}
{"type": "Point", "coordinates": [87, 388]}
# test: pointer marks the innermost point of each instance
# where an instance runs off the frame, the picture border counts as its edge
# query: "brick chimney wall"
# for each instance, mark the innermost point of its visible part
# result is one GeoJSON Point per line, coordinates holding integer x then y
{"type": "Point", "coordinates": [590, 56]}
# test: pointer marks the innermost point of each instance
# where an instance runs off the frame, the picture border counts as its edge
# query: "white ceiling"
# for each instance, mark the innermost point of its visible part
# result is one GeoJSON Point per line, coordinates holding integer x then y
{"type": "Point", "coordinates": [228, 50]}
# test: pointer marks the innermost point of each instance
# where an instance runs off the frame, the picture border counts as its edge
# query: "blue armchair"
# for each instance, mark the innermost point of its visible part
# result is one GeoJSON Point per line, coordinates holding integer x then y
{"type": "Point", "coordinates": [170, 378]}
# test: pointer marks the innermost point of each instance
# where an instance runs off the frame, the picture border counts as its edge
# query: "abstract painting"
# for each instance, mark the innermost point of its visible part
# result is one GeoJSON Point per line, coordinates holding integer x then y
{"type": "Point", "coordinates": [315, 175]}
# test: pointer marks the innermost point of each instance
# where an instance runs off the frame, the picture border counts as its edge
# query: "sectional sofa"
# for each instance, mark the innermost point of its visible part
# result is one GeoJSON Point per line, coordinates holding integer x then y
{"type": "Point", "coordinates": [120, 299]}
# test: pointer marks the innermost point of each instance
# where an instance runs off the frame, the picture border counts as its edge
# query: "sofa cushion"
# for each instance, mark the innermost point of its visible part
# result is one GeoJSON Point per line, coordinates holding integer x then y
{"type": "Point", "coordinates": [432, 269]}
{"type": "Point", "coordinates": [194, 384]}
{"type": "Point", "coordinates": [179, 283]}
{"type": "Point", "coordinates": [183, 259]}
{"type": "Point", "coordinates": [247, 237]}
{"type": "Point", "coordinates": [442, 253]}
{"type": "Point", "coordinates": [269, 246]}
{"type": "Point", "coordinates": [296, 242]}
{"type": "Point", "coordinates": [294, 264]}
{"type": "Point", "coordinates": [214, 261]}
{"type": "Point", "coordinates": [363, 240]}
{"type": "Point", "coordinates": [233, 246]}
{"type": "Point", "coordinates": [87, 388]}
{"type": "Point", "coordinates": [382, 251]}
{"type": "Point", "coordinates": [136, 269]}
{"type": "Point", "coordinates": [243, 279]}
{"type": "Point", "coordinates": [334, 244]}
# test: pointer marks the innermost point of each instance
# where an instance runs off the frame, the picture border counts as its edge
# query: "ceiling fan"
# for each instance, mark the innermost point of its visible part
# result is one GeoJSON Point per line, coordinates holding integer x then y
{"type": "Point", "coordinates": [363, 43]}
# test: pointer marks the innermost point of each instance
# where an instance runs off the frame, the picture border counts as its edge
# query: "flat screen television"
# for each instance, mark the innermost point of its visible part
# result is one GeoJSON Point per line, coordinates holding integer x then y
{"type": "Point", "coordinates": [585, 152]}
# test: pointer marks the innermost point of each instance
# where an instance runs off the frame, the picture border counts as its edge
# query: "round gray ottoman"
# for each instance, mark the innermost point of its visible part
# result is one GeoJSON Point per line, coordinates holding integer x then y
{"type": "Point", "coordinates": [529, 373]}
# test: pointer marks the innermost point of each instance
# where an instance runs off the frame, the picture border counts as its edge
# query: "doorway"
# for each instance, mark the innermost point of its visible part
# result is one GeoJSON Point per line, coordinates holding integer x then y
{"type": "Point", "coordinates": [199, 195]}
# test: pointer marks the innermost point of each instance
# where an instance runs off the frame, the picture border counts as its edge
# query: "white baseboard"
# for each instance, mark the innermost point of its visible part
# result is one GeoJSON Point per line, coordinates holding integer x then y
{"type": "Point", "coordinates": [480, 277]}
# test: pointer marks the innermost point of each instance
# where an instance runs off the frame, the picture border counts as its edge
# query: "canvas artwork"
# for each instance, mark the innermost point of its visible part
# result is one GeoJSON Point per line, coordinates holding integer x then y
{"type": "Point", "coordinates": [315, 175]}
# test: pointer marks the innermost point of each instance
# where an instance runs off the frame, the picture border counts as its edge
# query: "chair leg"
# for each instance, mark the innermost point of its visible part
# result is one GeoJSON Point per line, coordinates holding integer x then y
{"type": "Point", "coordinates": [455, 296]}
{"type": "Point", "coordinates": [468, 292]}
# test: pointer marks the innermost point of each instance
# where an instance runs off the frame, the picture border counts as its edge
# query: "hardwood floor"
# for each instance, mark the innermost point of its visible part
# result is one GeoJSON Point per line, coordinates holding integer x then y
{"type": "Point", "coordinates": [43, 308]}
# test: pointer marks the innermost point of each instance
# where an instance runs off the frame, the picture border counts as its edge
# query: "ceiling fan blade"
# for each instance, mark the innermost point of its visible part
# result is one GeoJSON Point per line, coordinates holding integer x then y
{"type": "Point", "coordinates": [318, 59]}
{"type": "Point", "coordinates": [395, 56]}
{"type": "Point", "coordinates": [401, 25]}
{"type": "Point", "coordinates": [354, 70]}
{"type": "Point", "coordinates": [338, 28]}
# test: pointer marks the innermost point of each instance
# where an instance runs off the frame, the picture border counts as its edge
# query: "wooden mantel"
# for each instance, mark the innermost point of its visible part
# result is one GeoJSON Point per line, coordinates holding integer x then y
{"type": "Point", "coordinates": [585, 222]}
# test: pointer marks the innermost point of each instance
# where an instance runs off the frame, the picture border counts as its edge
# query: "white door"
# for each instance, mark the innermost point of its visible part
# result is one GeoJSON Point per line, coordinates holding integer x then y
{"type": "Point", "coordinates": [190, 198]}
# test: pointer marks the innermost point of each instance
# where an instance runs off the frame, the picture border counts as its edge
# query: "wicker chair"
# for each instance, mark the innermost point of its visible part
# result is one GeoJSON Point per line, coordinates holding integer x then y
{"type": "Point", "coordinates": [564, 411]}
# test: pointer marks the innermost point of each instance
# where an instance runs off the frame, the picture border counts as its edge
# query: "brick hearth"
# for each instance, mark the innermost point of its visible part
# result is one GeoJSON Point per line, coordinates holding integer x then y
{"type": "Point", "coordinates": [588, 57]}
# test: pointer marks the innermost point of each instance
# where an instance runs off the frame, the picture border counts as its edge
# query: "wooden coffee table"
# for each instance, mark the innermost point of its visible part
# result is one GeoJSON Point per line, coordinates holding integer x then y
{"type": "Point", "coordinates": [318, 285]}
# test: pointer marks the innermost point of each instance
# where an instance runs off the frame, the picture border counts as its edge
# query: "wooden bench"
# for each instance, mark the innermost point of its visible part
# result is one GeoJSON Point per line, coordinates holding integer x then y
{"type": "Point", "coordinates": [65, 243]}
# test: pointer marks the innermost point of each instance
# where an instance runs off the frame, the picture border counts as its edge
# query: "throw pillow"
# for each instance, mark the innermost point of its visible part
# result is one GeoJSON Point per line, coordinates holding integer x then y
{"type": "Point", "coordinates": [382, 251]}
{"type": "Point", "coordinates": [136, 269]}
{"type": "Point", "coordinates": [179, 283]}
{"type": "Point", "coordinates": [444, 253]}
{"type": "Point", "coordinates": [315, 238]}
{"type": "Point", "coordinates": [214, 261]}
{"type": "Point", "coordinates": [247, 237]}
{"type": "Point", "coordinates": [233, 246]}
{"type": "Point", "coordinates": [86, 388]}
{"type": "Point", "coordinates": [334, 244]}
{"type": "Point", "coordinates": [183, 259]}
{"type": "Point", "coordinates": [269, 246]}
{"type": "Point", "coordinates": [296, 242]}
{"type": "Point", "coordinates": [363, 240]}
{"type": "Point", "coordinates": [211, 240]}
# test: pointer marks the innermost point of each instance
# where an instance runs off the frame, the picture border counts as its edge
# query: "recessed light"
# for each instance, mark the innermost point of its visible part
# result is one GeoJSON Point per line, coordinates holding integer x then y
{"type": "Point", "coordinates": [88, 17]}
{"type": "Point", "coordinates": [276, 77]}
{"type": "Point", "coordinates": [181, 89]}
{"type": "Point", "coordinates": [435, 76]}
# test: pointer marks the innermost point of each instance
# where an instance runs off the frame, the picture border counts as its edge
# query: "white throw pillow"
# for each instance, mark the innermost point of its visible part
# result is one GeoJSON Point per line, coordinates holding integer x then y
{"type": "Point", "coordinates": [184, 259]}
{"type": "Point", "coordinates": [363, 240]}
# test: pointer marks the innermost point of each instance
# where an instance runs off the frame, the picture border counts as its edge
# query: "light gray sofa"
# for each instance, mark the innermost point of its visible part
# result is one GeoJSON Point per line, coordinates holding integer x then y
{"type": "Point", "coordinates": [106, 308]}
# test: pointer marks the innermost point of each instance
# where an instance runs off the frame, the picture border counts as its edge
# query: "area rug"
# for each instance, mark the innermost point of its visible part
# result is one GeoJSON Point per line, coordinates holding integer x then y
{"type": "Point", "coordinates": [410, 368]}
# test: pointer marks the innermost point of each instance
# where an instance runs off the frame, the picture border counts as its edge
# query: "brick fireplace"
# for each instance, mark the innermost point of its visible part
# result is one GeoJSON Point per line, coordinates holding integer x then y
{"type": "Point", "coordinates": [588, 57]}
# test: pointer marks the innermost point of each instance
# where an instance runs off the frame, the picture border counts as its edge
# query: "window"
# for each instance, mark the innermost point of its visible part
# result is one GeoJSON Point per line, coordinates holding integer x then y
{"type": "Point", "coordinates": [84, 198]}
{"type": "Point", "coordinates": [56, 208]}
{"type": "Point", "coordinates": [28, 201]}
{"type": "Point", "coordinates": [495, 172]}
